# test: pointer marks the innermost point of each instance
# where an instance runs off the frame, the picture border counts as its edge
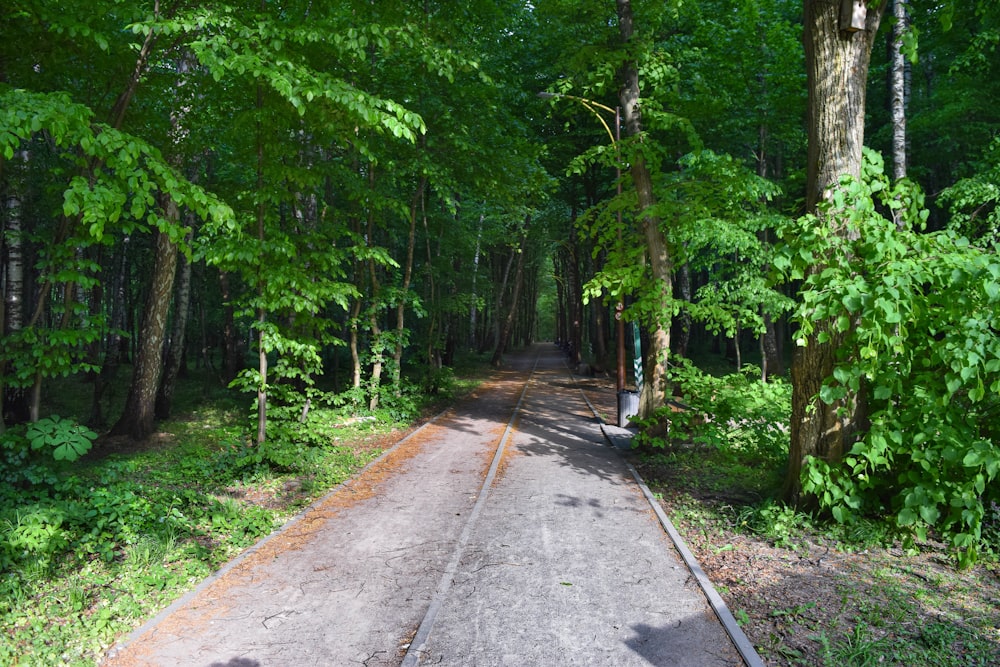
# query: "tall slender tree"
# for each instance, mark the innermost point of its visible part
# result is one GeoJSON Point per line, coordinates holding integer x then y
{"type": "Point", "coordinates": [898, 95]}
{"type": "Point", "coordinates": [654, 389]}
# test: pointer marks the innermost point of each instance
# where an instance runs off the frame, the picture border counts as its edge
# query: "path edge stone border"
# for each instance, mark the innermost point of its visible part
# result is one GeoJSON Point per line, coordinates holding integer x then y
{"type": "Point", "coordinates": [620, 439]}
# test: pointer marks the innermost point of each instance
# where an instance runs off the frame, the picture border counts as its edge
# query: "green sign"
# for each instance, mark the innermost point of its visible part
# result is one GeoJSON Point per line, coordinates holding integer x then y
{"type": "Point", "coordinates": [637, 358]}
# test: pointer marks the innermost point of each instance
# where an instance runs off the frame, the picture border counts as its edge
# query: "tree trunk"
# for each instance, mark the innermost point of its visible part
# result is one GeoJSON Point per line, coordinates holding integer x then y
{"type": "Point", "coordinates": [560, 313]}
{"type": "Point", "coordinates": [654, 390]}
{"type": "Point", "coordinates": [113, 341]}
{"type": "Point", "coordinates": [137, 418]}
{"type": "Point", "coordinates": [473, 307]}
{"type": "Point", "coordinates": [261, 280]}
{"type": "Point", "coordinates": [231, 363]}
{"type": "Point", "coordinates": [353, 344]}
{"type": "Point", "coordinates": [397, 355]}
{"type": "Point", "coordinates": [498, 301]}
{"type": "Point", "coordinates": [175, 345]}
{"type": "Point", "coordinates": [837, 73]}
{"type": "Point", "coordinates": [770, 359]}
{"type": "Point", "coordinates": [600, 317]}
{"type": "Point", "coordinates": [682, 330]}
{"type": "Point", "coordinates": [898, 91]}
{"type": "Point", "coordinates": [573, 300]}
{"type": "Point", "coordinates": [12, 308]}
{"type": "Point", "coordinates": [508, 321]}
{"type": "Point", "coordinates": [771, 362]}
{"type": "Point", "coordinates": [438, 321]}
{"type": "Point", "coordinates": [377, 345]}
{"type": "Point", "coordinates": [837, 69]}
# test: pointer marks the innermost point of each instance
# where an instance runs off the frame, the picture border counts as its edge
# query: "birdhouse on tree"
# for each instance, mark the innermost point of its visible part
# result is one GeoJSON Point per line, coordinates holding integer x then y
{"type": "Point", "coordinates": [852, 15]}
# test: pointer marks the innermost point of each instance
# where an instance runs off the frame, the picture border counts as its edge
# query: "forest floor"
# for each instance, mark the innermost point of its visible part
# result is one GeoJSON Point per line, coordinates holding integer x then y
{"type": "Point", "coordinates": [805, 598]}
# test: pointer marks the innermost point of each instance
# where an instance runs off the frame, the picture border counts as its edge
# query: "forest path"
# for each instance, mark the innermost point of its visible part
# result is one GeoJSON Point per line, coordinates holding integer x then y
{"type": "Point", "coordinates": [505, 532]}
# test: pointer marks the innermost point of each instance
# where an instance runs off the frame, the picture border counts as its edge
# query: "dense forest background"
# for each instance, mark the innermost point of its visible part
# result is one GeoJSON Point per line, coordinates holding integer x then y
{"type": "Point", "coordinates": [325, 203]}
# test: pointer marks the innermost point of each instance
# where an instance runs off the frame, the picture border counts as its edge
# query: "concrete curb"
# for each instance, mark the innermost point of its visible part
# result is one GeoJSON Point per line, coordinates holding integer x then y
{"type": "Point", "coordinates": [732, 628]}
{"type": "Point", "coordinates": [621, 439]}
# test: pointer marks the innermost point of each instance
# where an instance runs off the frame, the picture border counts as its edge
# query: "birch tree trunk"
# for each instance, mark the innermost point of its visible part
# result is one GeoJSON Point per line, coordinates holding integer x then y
{"type": "Point", "coordinates": [473, 306]}
{"type": "Point", "coordinates": [377, 344]}
{"type": "Point", "coordinates": [262, 341]}
{"type": "Point", "coordinates": [898, 91]}
{"type": "Point", "coordinates": [12, 307]}
{"type": "Point", "coordinates": [837, 70]}
{"type": "Point", "coordinates": [654, 389]}
{"type": "Point", "coordinates": [353, 344]}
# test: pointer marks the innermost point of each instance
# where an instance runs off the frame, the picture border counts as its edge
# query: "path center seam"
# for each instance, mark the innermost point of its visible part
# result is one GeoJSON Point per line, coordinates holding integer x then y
{"type": "Point", "coordinates": [418, 645]}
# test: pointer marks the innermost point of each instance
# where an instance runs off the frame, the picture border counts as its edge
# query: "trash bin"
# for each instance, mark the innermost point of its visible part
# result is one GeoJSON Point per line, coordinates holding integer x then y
{"type": "Point", "coordinates": [628, 406]}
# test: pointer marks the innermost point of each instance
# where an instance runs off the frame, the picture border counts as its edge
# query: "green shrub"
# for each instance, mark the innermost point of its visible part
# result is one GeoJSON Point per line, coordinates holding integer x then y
{"type": "Point", "coordinates": [920, 313]}
{"type": "Point", "coordinates": [736, 411]}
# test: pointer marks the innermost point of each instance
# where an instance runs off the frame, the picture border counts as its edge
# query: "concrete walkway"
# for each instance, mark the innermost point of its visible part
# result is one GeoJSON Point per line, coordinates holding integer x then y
{"type": "Point", "coordinates": [482, 540]}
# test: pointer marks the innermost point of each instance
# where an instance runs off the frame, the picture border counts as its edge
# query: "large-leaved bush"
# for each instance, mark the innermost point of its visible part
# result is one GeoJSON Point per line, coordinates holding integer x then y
{"type": "Point", "coordinates": [921, 317]}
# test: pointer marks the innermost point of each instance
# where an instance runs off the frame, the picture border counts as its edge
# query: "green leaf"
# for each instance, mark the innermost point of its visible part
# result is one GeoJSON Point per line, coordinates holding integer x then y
{"type": "Point", "coordinates": [830, 395]}
{"type": "Point", "coordinates": [992, 289]}
{"type": "Point", "coordinates": [930, 514]}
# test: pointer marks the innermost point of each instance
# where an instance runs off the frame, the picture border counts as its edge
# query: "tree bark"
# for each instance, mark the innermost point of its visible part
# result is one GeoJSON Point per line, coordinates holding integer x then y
{"type": "Point", "coordinates": [12, 308]}
{"type": "Point", "coordinates": [600, 317]}
{"type": "Point", "coordinates": [837, 70]}
{"type": "Point", "coordinates": [498, 300]}
{"type": "Point", "coordinates": [113, 341]}
{"type": "Point", "coordinates": [435, 356]}
{"type": "Point", "coordinates": [771, 362]}
{"type": "Point", "coordinates": [898, 91]}
{"type": "Point", "coordinates": [682, 330]}
{"type": "Point", "coordinates": [174, 353]}
{"type": "Point", "coordinates": [353, 344]}
{"type": "Point", "coordinates": [175, 345]}
{"type": "Point", "coordinates": [473, 306]}
{"type": "Point", "coordinates": [654, 390]}
{"type": "Point", "coordinates": [230, 344]}
{"type": "Point", "coordinates": [137, 420]}
{"type": "Point", "coordinates": [261, 281]}
{"type": "Point", "coordinates": [574, 301]}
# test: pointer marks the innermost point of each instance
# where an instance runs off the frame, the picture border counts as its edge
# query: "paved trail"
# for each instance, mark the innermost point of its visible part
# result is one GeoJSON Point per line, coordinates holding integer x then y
{"type": "Point", "coordinates": [557, 560]}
